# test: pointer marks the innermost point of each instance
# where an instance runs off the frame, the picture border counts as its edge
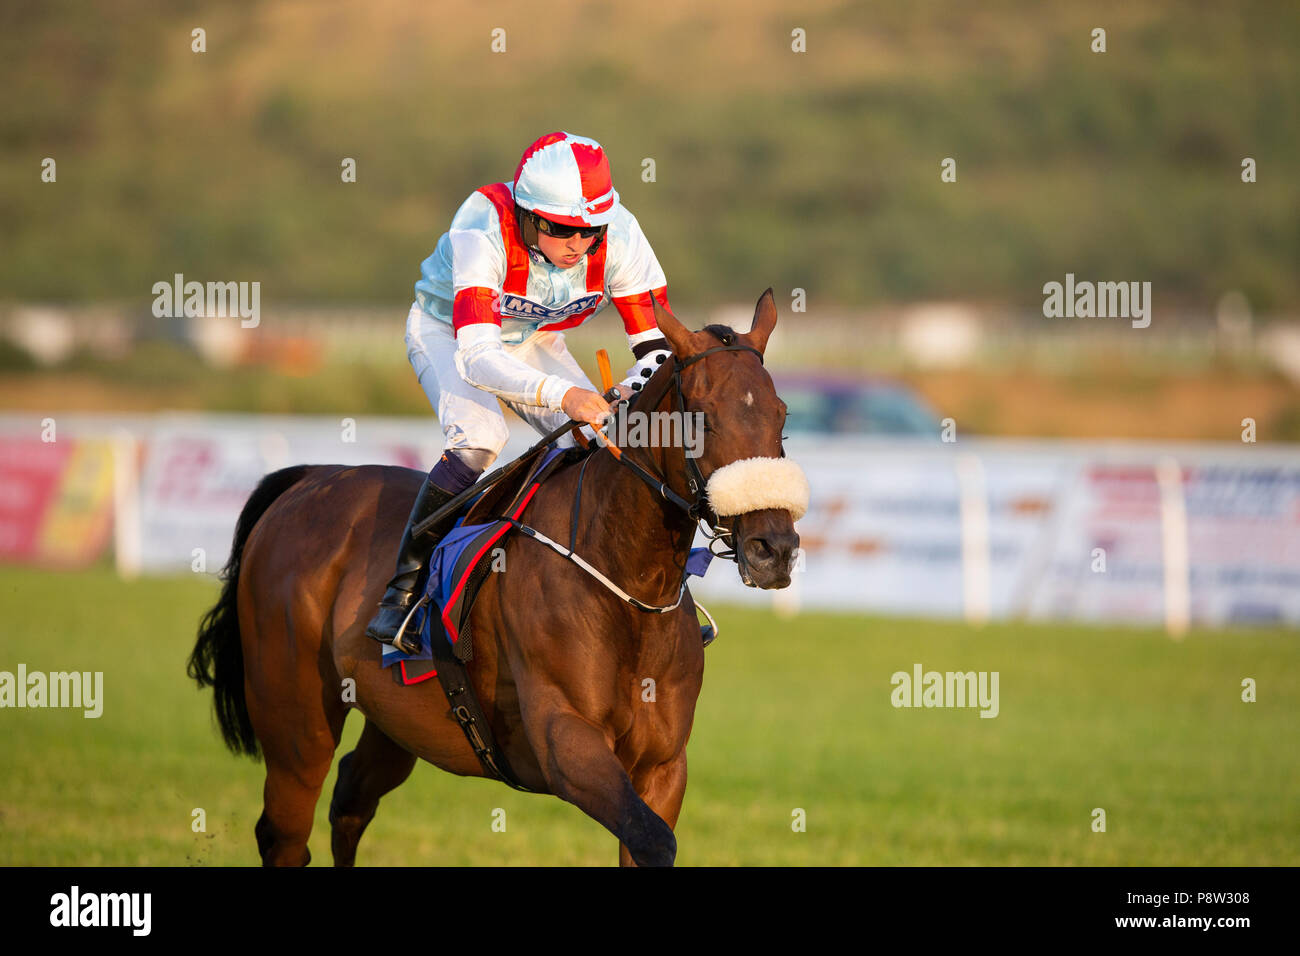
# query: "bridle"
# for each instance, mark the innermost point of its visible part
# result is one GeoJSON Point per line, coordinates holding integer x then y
{"type": "Point", "coordinates": [695, 506]}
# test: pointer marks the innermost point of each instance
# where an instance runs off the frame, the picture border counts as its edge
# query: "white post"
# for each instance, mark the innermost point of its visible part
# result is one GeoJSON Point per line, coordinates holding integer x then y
{"type": "Point", "coordinates": [430, 452]}
{"type": "Point", "coordinates": [786, 602]}
{"type": "Point", "coordinates": [274, 449]}
{"type": "Point", "coordinates": [126, 505]}
{"type": "Point", "coordinates": [974, 539]}
{"type": "Point", "coordinates": [1173, 539]}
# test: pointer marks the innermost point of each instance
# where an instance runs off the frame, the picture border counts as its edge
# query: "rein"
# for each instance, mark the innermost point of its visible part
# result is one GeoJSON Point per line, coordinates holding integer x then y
{"type": "Point", "coordinates": [694, 480]}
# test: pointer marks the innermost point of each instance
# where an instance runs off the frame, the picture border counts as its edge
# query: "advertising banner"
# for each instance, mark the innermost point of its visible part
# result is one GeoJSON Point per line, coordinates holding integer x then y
{"type": "Point", "coordinates": [55, 500]}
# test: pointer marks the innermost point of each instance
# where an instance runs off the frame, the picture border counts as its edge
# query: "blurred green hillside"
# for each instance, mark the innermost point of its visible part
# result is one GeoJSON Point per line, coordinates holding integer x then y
{"type": "Point", "coordinates": [817, 170]}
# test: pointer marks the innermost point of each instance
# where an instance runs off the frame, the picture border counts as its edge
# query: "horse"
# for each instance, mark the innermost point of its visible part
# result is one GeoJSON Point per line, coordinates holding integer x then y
{"type": "Point", "coordinates": [559, 660]}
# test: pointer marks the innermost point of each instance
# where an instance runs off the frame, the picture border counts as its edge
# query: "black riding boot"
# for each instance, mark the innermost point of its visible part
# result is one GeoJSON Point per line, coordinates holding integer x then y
{"type": "Point", "coordinates": [399, 597]}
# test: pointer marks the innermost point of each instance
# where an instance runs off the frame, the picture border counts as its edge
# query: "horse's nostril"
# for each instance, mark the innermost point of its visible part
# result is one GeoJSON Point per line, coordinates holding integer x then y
{"type": "Point", "coordinates": [759, 552]}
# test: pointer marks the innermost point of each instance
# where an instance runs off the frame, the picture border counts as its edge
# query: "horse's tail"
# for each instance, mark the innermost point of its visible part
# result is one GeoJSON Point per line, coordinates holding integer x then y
{"type": "Point", "coordinates": [218, 657]}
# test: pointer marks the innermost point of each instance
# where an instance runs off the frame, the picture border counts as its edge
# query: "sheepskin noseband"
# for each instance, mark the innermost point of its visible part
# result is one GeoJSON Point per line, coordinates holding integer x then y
{"type": "Point", "coordinates": [753, 484]}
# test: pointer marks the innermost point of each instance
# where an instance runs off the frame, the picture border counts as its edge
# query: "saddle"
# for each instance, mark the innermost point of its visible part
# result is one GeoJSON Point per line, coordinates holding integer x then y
{"type": "Point", "coordinates": [460, 562]}
{"type": "Point", "coordinates": [467, 554]}
{"type": "Point", "coordinates": [454, 574]}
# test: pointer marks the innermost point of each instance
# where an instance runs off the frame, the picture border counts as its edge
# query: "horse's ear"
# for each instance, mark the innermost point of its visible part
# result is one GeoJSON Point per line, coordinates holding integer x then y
{"type": "Point", "coordinates": [678, 336]}
{"type": "Point", "coordinates": [764, 320]}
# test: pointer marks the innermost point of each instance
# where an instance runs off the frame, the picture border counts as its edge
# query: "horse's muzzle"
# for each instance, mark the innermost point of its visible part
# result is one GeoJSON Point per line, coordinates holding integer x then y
{"type": "Point", "coordinates": [766, 550]}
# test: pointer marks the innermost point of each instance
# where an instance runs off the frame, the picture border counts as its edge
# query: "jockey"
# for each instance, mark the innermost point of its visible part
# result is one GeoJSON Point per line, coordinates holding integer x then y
{"type": "Point", "coordinates": [521, 262]}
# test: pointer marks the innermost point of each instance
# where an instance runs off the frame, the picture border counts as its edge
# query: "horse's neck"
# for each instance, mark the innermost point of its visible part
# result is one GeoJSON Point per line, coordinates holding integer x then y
{"type": "Point", "coordinates": [638, 532]}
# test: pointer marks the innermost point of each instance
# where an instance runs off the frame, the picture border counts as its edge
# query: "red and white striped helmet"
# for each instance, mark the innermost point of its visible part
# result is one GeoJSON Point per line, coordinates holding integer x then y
{"type": "Point", "coordinates": [565, 178]}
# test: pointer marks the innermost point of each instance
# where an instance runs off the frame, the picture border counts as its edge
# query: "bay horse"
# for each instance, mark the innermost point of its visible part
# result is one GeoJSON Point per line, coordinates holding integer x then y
{"type": "Point", "coordinates": [559, 660]}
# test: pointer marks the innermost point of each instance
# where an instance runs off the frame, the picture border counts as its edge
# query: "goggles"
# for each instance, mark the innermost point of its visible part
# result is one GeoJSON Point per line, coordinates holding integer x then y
{"type": "Point", "coordinates": [558, 231]}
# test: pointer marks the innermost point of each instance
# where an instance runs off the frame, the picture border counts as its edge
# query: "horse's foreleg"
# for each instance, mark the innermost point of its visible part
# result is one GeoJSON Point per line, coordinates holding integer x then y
{"type": "Point", "coordinates": [580, 767]}
{"type": "Point", "coordinates": [375, 767]}
{"type": "Point", "coordinates": [662, 788]}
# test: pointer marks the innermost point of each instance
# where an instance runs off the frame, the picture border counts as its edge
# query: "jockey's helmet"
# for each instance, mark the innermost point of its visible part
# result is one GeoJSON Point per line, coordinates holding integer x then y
{"type": "Point", "coordinates": [565, 180]}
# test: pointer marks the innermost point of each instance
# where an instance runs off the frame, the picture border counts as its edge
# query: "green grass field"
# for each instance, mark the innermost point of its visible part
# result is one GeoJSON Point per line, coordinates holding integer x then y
{"type": "Point", "coordinates": [1154, 732]}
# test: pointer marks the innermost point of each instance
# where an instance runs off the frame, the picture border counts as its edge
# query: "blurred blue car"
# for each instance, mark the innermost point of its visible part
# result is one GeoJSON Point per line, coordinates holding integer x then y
{"type": "Point", "coordinates": [827, 405]}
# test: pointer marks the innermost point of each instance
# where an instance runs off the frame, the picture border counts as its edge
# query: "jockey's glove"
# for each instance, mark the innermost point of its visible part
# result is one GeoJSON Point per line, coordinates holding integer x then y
{"type": "Point", "coordinates": [646, 366]}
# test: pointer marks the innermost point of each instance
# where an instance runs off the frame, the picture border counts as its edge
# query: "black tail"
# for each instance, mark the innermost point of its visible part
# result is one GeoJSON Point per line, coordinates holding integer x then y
{"type": "Point", "coordinates": [218, 658]}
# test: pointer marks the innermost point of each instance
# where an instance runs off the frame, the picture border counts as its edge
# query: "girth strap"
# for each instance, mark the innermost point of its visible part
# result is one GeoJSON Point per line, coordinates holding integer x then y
{"type": "Point", "coordinates": [465, 708]}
